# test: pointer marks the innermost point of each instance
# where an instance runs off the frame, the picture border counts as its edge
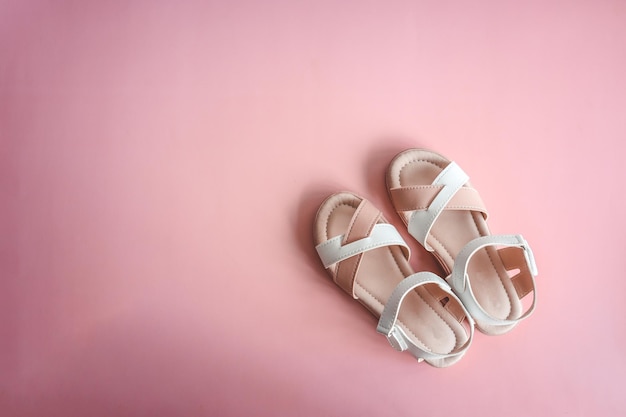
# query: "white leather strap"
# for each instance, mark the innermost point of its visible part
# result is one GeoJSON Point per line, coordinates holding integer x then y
{"type": "Point", "coordinates": [460, 282]}
{"type": "Point", "coordinates": [452, 178]}
{"type": "Point", "coordinates": [383, 234]}
{"type": "Point", "coordinates": [394, 333]}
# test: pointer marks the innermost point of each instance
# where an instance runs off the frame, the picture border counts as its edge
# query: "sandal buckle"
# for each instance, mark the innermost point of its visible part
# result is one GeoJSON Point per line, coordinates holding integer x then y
{"type": "Point", "coordinates": [396, 340]}
{"type": "Point", "coordinates": [530, 259]}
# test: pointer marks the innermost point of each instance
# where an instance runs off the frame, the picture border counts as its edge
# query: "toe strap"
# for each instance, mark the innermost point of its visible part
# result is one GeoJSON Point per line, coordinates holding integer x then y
{"type": "Point", "coordinates": [448, 191]}
{"type": "Point", "coordinates": [383, 234]}
{"type": "Point", "coordinates": [367, 231]}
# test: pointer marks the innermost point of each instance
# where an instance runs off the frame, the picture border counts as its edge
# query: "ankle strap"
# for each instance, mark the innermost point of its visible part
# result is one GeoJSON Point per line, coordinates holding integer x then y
{"type": "Point", "coordinates": [395, 334]}
{"type": "Point", "coordinates": [460, 282]}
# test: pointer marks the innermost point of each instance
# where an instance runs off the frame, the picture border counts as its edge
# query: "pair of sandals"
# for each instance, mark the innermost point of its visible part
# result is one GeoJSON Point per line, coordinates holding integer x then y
{"type": "Point", "coordinates": [428, 316]}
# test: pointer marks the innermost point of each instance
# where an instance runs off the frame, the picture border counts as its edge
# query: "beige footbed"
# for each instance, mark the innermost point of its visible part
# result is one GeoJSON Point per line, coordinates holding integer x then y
{"type": "Point", "coordinates": [422, 316]}
{"type": "Point", "coordinates": [452, 230]}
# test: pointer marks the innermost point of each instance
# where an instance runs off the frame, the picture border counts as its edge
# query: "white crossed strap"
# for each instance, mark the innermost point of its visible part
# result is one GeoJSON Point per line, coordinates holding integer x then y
{"type": "Point", "coordinates": [387, 325]}
{"type": "Point", "coordinates": [451, 179]}
{"type": "Point", "coordinates": [460, 282]}
{"type": "Point", "coordinates": [383, 234]}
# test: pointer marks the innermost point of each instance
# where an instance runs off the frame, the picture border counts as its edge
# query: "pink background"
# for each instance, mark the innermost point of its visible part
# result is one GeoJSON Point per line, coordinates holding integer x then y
{"type": "Point", "coordinates": [161, 163]}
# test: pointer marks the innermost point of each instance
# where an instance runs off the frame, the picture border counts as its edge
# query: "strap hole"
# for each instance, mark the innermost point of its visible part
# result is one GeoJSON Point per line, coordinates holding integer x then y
{"type": "Point", "coordinates": [513, 272]}
{"type": "Point", "coordinates": [444, 301]}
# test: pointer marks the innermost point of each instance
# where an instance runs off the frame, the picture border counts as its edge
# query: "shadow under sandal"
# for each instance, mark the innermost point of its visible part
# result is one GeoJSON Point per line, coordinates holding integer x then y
{"type": "Point", "coordinates": [491, 274]}
{"type": "Point", "coordinates": [368, 259]}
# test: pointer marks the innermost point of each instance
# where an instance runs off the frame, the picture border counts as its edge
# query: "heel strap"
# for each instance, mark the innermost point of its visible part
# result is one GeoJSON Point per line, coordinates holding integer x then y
{"type": "Point", "coordinates": [523, 282]}
{"type": "Point", "coordinates": [387, 325]}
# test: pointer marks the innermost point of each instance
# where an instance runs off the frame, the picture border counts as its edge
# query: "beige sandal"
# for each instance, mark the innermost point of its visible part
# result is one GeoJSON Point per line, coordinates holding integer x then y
{"type": "Point", "coordinates": [490, 274]}
{"type": "Point", "coordinates": [367, 258]}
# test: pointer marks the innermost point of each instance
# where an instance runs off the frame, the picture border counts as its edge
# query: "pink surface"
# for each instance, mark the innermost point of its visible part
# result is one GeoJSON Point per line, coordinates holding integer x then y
{"type": "Point", "coordinates": [161, 163]}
